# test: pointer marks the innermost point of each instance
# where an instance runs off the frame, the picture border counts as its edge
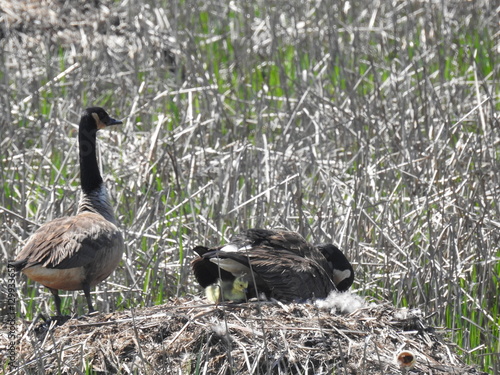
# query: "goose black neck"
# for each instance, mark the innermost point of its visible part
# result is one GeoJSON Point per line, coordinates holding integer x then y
{"type": "Point", "coordinates": [90, 175]}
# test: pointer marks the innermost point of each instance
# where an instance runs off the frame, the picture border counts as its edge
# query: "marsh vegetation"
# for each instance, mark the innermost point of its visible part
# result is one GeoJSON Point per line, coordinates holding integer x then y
{"type": "Point", "coordinates": [372, 125]}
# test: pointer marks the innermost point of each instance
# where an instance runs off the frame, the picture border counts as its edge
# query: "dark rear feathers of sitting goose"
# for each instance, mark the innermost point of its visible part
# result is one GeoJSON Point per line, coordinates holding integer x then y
{"type": "Point", "coordinates": [78, 252]}
{"type": "Point", "coordinates": [281, 264]}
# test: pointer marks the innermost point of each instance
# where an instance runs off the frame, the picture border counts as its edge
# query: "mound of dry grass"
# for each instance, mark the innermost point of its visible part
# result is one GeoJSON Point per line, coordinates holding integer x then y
{"type": "Point", "coordinates": [188, 336]}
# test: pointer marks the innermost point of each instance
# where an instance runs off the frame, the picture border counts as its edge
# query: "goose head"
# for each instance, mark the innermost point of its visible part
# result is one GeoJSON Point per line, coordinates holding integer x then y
{"type": "Point", "coordinates": [100, 117]}
{"type": "Point", "coordinates": [341, 268]}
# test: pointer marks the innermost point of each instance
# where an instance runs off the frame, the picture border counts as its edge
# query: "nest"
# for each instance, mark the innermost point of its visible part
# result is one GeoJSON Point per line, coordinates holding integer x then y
{"type": "Point", "coordinates": [188, 336]}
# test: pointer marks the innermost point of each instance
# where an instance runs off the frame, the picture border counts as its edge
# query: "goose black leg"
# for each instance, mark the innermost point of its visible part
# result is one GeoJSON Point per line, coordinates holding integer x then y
{"type": "Point", "coordinates": [57, 300]}
{"type": "Point", "coordinates": [86, 290]}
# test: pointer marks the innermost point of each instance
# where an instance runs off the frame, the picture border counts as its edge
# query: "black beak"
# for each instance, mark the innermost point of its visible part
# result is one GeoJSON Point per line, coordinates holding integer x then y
{"type": "Point", "coordinates": [112, 121]}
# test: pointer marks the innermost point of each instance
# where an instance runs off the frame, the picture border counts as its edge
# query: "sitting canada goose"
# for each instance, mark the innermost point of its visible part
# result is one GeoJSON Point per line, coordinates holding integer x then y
{"type": "Point", "coordinates": [227, 290]}
{"type": "Point", "coordinates": [281, 264]}
{"type": "Point", "coordinates": [78, 252]}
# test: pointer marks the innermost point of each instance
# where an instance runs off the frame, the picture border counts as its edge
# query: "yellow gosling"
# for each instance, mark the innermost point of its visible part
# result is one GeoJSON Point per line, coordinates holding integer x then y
{"type": "Point", "coordinates": [227, 290]}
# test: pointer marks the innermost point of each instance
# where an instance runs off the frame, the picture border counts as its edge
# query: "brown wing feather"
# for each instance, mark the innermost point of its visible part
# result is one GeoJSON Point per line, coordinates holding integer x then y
{"type": "Point", "coordinates": [68, 242]}
{"type": "Point", "coordinates": [281, 239]}
{"type": "Point", "coordinates": [292, 278]}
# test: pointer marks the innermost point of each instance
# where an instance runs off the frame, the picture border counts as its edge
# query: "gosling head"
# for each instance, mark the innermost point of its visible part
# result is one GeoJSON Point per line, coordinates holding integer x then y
{"type": "Point", "coordinates": [240, 285]}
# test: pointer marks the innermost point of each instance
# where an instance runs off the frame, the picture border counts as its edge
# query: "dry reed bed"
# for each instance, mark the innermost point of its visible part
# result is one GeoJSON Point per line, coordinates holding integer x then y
{"type": "Point", "coordinates": [396, 162]}
{"type": "Point", "coordinates": [185, 336]}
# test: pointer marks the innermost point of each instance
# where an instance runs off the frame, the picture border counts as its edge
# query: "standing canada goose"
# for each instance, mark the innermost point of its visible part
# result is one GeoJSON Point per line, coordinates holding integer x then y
{"type": "Point", "coordinates": [281, 264]}
{"type": "Point", "coordinates": [78, 252]}
{"type": "Point", "coordinates": [227, 290]}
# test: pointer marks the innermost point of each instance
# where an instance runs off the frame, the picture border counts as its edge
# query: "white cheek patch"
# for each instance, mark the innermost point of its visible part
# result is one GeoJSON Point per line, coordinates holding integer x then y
{"type": "Point", "coordinates": [99, 123]}
{"type": "Point", "coordinates": [339, 276]}
{"type": "Point", "coordinates": [231, 266]}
